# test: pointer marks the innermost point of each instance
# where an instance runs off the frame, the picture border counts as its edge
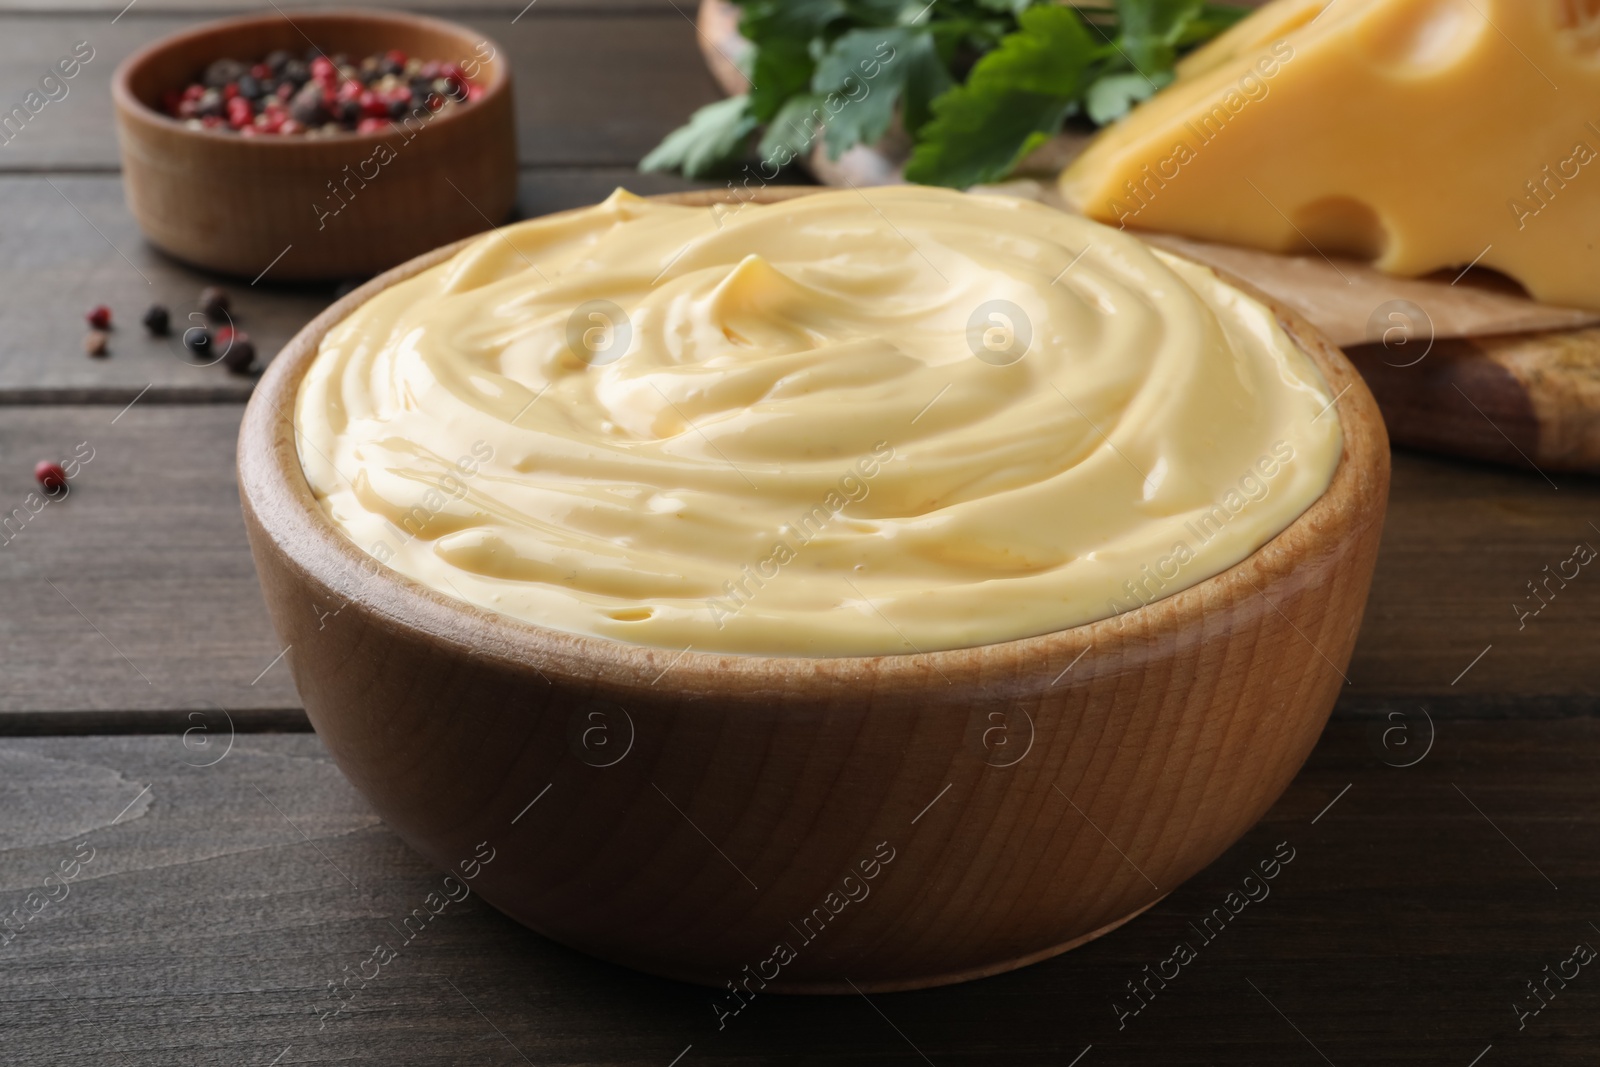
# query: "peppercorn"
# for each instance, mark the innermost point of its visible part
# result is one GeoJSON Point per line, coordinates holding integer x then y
{"type": "Point", "coordinates": [223, 71]}
{"type": "Point", "coordinates": [214, 302]}
{"type": "Point", "coordinates": [238, 351]}
{"type": "Point", "coordinates": [157, 321]}
{"type": "Point", "coordinates": [210, 104]}
{"type": "Point", "coordinates": [50, 476]}
{"type": "Point", "coordinates": [100, 317]}
{"type": "Point", "coordinates": [314, 93]}
{"type": "Point", "coordinates": [197, 339]}
{"type": "Point", "coordinates": [95, 343]}
{"type": "Point", "coordinates": [306, 106]}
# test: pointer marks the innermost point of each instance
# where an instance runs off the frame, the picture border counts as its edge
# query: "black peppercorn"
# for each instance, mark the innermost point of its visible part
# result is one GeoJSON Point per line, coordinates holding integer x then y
{"type": "Point", "coordinates": [214, 302]}
{"type": "Point", "coordinates": [239, 352]}
{"type": "Point", "coordinates": [157, 321]}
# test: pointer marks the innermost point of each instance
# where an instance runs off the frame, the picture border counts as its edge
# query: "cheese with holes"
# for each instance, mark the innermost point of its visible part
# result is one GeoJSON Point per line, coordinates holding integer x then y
{"type": "Point", "coordinates": [1418, 134]}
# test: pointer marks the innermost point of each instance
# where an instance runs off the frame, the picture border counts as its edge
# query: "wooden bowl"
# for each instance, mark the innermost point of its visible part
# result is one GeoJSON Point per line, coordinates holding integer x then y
{"type": "Point", "coordinates": [335, 207]}
{"type": "Point", "coordinates": [817, 825]}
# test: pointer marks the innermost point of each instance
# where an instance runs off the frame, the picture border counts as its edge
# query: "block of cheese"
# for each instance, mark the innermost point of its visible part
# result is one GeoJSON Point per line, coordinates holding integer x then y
{"type": "Point", "coordinates": [1417, 134]}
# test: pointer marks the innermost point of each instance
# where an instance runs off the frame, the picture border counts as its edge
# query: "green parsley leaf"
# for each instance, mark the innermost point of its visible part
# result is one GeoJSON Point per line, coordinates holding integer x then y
{"type": "Point", "coordinates": [861, 78]}
{"type": "Point", "coordinates": [1114, 95]}
{"type": "Point", "coordinates": [1015, 98]}
{"type": "Point", "coordinates": [1149, 31]}
{"type": "Point", "coordinates": [977, 83]}
{"type": "Point", "coordinates": [792, 131]}
{"type": "Point", "coordinates": [713, 136]}
{"type": "Point", "coordinates": [780, 69]}
{"type": "Point", "coordinates": [763, 21]}
{"type": "Point", "coordinates": [926, 79]}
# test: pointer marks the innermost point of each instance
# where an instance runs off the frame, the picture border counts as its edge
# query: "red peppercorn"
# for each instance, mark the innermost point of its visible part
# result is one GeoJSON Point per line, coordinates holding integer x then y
{"type": "Point", "coordinates": [373, 107]}
{"type": "Point", "coordinates": [474, 92]}
{"type": "Point", "coordinates": [52, 479]}
{"type": "Point", "coordinates": [230, 90]}
{"type": "Point", "coordinates": [394, 55]}
{"type": "Point", "coordinates": [261, 72]}
{"type": "Point", "coordinates": [372, 125]}
{"type": "Point", "coordinates": [240, 113]}
{"type": "Point", "coordinates": [323, 70]}
{"type": "Point", "coordinates": [100, 318]}
{"type": "Point", "coordinates": [194, 91]}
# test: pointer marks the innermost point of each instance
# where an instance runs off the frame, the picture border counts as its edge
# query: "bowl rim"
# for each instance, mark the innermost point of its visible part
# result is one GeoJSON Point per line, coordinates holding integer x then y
{"type": "Point", "coordinates": [279, 507]}
{"type": "Point", "coordinates": [131, 107]}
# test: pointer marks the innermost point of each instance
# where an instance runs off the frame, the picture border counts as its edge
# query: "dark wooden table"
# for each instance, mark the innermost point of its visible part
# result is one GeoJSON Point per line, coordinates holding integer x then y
{"type": "Point", "coordinates": [1446, 832]}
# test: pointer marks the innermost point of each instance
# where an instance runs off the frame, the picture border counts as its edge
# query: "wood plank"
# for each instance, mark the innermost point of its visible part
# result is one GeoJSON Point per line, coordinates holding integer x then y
{"type": "Point", "coordinates": [220, 902]}
{"type": "Point", "coordinates": [70, 244]}
{"type": "Point", "coordinates": [1461, 544]}
{"type": "Point", "coordinates": [151, 548]}
{"type": "Point", "coordinates": [136, 592]}
{"type": "Point", "coordinates": [591, 89]}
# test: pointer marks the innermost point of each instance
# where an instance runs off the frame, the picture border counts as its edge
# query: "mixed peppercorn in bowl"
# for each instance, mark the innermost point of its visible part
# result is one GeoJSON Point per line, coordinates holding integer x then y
{"type": "Point", "coordinates": [317, 94]}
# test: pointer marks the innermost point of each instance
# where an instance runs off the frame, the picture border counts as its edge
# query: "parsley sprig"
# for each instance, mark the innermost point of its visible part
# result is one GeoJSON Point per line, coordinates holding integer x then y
{"type": "Point", "coordinates": [975, 84]}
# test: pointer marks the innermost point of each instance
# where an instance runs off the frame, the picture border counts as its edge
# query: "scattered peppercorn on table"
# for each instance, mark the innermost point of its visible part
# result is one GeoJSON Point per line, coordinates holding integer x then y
{"type": "Point", "coordinates": [185, 877]}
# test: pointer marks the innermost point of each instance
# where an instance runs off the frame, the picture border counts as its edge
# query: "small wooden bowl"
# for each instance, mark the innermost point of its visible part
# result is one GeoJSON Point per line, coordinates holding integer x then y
{"type": "Point", "coordinates": [337, 207]}
{"type": "Point", "coordinates": [817, 825]}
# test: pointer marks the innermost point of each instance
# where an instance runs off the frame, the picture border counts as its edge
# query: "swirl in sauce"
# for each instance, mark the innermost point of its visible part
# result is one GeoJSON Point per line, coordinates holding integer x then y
{"type": "Point", "coordinates": [842, 424]}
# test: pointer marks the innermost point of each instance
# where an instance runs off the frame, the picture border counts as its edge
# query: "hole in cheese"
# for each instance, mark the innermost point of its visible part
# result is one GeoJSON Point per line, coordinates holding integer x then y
{"type": "Point", "coordinates": [1578, 23]}
{"type": "Point", "coordinates": [1342, 225]}
{"type": "Point", "coordinates": [1420, 38]}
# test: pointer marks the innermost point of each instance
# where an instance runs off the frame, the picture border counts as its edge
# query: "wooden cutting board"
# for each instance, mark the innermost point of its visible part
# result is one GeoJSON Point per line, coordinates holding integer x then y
{"type": "Point", "coordinates": [1463, 365]}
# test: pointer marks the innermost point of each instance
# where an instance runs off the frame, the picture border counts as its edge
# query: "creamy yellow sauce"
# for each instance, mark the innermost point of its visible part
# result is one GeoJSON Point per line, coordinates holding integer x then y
{"type": "Point", "coordinates": [885, 422]}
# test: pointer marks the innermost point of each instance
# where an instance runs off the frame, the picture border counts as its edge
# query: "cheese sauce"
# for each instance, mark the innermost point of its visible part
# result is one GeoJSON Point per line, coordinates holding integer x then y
{"type": "Point", "coordinates": [851, 423]}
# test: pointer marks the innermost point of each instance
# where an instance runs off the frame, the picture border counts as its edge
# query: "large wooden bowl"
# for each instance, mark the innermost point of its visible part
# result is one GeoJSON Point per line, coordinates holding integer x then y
{"type": "Point", "coordinates": [817, 825]}
{"type": "Point", "coordinates": [324, 208]}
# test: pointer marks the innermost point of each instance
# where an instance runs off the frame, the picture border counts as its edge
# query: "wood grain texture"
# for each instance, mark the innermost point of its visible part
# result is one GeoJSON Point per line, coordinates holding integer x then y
{"type": "Point", "coordinates": [592, 89]}
{"type": "Point", "coordinates": [133, 594]}
{"type": "Point", "coordinates": [1526, 400]}
{"type": "Point", "coordinates": [206, 928]}
{"type": "Point", "coordinates": [62, 249]}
